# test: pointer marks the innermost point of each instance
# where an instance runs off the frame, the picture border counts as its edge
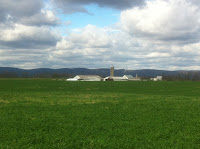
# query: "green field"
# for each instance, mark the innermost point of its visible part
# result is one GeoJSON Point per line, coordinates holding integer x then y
{"type": "Point", "coordinates": [59, 114]}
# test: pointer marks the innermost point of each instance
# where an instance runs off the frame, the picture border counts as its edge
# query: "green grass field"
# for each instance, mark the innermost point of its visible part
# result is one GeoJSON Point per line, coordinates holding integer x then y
{"type": "Point", "coordinates": [59, 114]}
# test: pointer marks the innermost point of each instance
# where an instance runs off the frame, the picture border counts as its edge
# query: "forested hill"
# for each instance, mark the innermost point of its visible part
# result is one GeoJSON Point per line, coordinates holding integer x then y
{"type": "Point", "coordinates": [70, 72]}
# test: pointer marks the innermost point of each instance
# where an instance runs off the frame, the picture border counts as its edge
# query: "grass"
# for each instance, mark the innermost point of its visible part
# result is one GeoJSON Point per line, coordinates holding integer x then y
{"type": "Point", "coordinates": [59, 114]}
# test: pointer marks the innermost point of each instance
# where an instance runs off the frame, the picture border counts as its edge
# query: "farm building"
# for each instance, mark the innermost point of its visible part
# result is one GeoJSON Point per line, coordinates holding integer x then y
{"type": "Point", "coordinates": [85, 78]}
{"type": "Point", "coordinates": [124, 78]}
{"type": "Point", "coordinates": [128, 77]}
{"type": "Point", "coordinates": [158, 78]}
{"type": "Point", "coordinates": [109, 78]}
{"type": "Point", "coordinates": [131, 78]}
{"type": "Point", "coordinates": [115, 78]}
{"type": "Point", "coordinates": [72, 79]}
{"type": "Point", "coordinates": [119, 79]}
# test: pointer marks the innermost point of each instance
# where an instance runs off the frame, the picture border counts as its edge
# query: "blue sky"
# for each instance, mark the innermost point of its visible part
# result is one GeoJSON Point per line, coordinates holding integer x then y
{"type": "Point", "coordinates": [98, 16]}
{"type": "Point", "coordinates": [129, 34]}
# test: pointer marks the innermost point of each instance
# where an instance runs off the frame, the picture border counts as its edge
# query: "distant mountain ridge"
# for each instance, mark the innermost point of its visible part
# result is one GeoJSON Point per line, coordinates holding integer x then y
{"type": "Point", "coordinates": [84, 71]}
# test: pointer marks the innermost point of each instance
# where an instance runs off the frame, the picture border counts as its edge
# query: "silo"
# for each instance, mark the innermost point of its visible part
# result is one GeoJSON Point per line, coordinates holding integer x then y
{"type": "Point", "coordinates": [112, 71]}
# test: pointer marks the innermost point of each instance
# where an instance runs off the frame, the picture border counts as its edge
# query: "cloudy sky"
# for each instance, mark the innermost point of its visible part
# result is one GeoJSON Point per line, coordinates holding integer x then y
{"type": "Point", "coordinates": [129, 34]}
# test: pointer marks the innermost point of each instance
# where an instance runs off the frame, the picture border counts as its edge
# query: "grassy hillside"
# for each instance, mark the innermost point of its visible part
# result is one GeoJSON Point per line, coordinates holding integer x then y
{"type": "Point", "coordinates": [59, 114]}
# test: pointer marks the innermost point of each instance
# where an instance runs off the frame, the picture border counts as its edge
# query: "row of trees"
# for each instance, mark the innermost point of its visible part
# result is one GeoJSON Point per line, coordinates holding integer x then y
{"type": "Point", "coordinates": [7, 74]}
{"type": "Point", "coordinates": [179, 76]}
{"type": "Point", "coordinates": [182, 76]}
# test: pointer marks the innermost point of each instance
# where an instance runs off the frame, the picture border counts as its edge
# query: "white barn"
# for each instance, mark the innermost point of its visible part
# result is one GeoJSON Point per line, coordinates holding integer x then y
{"type": "Point", "coordinates": [131, 78]}
{"type": "Point", "coordinates": [72, 79]}
{"type": "Point", "coordinates": [128, 77]}
{"type": "Point", "coordinates": [85, 78]}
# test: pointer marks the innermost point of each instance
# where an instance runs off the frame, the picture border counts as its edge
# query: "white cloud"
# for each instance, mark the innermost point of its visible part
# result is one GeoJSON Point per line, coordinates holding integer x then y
{"type": "Point", "coordinates": [98, 47]}
{"type": "Point", "coordinates": [27, 12]}
{"type": "Point", "coordinates": [170, 20]}
{"type": "Point", "coordinates": [72, 6]}
{"type": "Point", "coordinates": [45, 17]}
{"type": "Point", "coordinates": [90, 36]}
{"type": "Point", "coordinates": [118, 49]}
{"type": "Point", "coordinates": [64, 45]}
{"type": "Point", "coordinates": [19, 9]}
{"type": "Point", "coordinates": [157, 54]}
{"type": "Point", "coordinates": [21, 36]}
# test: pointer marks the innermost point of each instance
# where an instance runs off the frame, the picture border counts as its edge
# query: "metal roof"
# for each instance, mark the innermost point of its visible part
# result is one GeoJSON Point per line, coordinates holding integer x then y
{"type": "Point", "coordinates": [128, 76]}
{"type": "Point", "coordinates": [87, 76]}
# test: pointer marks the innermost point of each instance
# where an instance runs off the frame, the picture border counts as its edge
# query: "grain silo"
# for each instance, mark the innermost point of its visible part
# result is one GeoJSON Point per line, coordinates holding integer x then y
{"type": "Point", "coordinates": [112, 71]}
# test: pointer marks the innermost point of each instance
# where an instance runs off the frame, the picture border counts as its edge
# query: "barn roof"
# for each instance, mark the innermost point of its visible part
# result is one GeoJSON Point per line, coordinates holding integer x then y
{"type": "Point", "coordinates": [88, 76]}
{"type": "Point", "coordinates": [128, 76]}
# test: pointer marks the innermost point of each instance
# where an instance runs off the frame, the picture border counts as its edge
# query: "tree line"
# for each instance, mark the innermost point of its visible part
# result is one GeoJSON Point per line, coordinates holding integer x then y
{"type": "Point", "coordinates": [183, 76]}
{"type": "Point", "coordinates": [7, 74]}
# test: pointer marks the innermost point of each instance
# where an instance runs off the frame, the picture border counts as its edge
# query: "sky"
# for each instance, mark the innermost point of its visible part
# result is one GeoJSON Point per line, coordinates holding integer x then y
{"type": "Point", "coordinates": [129, 34]}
